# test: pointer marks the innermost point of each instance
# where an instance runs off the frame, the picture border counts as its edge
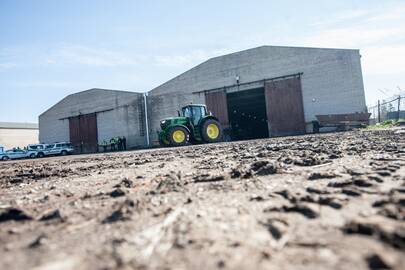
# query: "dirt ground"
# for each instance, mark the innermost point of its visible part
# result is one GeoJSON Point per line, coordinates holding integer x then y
{"type": "Point", "coordinates": [331, 201]}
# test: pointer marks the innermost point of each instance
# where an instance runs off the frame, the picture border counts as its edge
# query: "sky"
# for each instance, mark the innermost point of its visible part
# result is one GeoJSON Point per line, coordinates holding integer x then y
{"type": "Point", "coordinates": [49, 49]}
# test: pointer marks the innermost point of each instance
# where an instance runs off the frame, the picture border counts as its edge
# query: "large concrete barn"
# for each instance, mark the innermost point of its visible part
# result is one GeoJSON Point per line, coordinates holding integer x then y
{"type": "Point", "coordinates": [266, 91]}
{"type": "Point", "coordinates": [88, 118]}
{"type": "Point", "coordinates": [18, 134]}
{"type": "Point", "coordinates": [256, 93]}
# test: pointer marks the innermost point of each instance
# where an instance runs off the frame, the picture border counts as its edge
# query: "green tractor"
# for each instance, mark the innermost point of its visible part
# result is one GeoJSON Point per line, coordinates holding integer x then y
{"type": "Point", "coordinates": [194, 124]}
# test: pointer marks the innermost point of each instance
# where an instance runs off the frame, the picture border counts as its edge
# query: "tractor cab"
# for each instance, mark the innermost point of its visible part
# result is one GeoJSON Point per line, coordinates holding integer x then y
{"type": "Point", "coordinates": [194, 124]}
{"type": "Point", "coordinates": [194, 113]}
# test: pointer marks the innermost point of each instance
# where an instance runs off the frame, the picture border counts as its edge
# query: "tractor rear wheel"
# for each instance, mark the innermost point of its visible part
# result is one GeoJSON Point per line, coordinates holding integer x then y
{"type": "Point", "coordinates": [211, 131]}
{"type": "Point", "coordinates": [178, 136]}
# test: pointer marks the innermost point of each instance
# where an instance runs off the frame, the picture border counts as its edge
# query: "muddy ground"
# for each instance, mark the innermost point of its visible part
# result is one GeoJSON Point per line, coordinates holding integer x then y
{"type": "Point", "coordinates": [332, 201]}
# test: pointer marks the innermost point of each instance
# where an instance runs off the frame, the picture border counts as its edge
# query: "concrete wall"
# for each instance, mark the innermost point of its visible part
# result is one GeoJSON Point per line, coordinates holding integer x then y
{"type": "Point", "coordinates": [331, 81]}
{"type": "Point", "coordinates": [10, 138]}
{"type": "Point", "coordinates": [123, 121]}
{"type": "Point", "coordinates": [117, 115]}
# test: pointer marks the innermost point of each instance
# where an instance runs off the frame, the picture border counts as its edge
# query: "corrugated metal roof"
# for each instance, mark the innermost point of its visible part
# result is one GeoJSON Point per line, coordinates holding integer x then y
{"type": "Point", "coordinates": [15, 125]}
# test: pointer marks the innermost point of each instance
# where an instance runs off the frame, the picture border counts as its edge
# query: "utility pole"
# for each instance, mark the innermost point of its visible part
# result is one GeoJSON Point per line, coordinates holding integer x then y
{"type": "Point", "coordinates": [379, 114]}
{"type": "Point", "coordinates": [145, 95]}
{"type": "Point", "coordinates": [399, 106]}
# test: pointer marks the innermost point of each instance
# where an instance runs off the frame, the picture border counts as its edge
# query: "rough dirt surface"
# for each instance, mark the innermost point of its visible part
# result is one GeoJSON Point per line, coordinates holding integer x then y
{"type": "Point", "coordinates": [332, 201]}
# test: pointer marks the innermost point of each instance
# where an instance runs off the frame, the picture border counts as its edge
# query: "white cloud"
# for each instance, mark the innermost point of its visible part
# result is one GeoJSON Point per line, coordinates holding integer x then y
{"type": "Point", "coordinates": [82, 55]}
{"type": "Point", "coordinates": [7, 59]}
{"type": "Point", "coordinates": [183, 60]}
{"type": "Point", "coordinates": [4, 66]}
{"type": "Point", "coordinates": [352, 37]}
{"type": "Point", "coordinates": [360, 28]}
{"type": "Point", "coordinates": [365, 15]}
{"type": "Point", "coordinates": [384, 60]}
{"type": "Point", "coordinates": [343, 17]}
{"type": "Point", "coordinates": [42, 84]}
{"type": "Point", "coordinates": [73, 55]}
{"type": "Point", "coordinates": [394, 13]}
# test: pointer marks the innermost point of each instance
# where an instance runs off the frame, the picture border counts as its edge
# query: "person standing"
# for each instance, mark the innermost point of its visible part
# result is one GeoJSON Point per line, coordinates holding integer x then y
{"type": "Point", "coordinates": [119, 142]}
{"type": "Point", "coordinates": [112, 142]}
{"type": "Point", "coordinates": [124, 142]}
{"type": "Point", "coordinates": [105, 145]}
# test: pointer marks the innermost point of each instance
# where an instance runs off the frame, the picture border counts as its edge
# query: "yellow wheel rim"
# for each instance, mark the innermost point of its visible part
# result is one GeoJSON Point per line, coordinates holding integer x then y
{"type": "Point", "coordinates": [212, 131]}
{"type": "Point", "coordinates": [179, 136]}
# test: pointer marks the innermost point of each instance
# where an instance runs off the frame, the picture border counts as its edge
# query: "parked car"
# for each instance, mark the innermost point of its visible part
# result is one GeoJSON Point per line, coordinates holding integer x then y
{"type": "Point", "coordinates": [38, 149]}
{"type": "Point", "coordinates": [59, 149]}
{"type": "Point", "coordinates": [1, 151]}
{"type": "Point", "coordinates": [54, 149]}
{"type": "Point", "coordinates": [15, 154]}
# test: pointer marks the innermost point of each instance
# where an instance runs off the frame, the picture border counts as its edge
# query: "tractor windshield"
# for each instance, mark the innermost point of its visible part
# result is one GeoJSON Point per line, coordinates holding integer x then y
{"type": "Point", "coordinates": [198, 113]}
{"type": "Point", "coordinates": [194, 113]}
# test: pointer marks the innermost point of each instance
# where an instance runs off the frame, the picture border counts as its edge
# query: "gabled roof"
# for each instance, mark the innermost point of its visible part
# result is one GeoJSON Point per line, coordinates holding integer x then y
{"type": "Point", "coordinates": [269, 47]}
{"type": "Point", "coordinates": [98, 91]}
{"type": "Point", "coordinates": [244, 55]}
{"type": "Point", "coordinates": [103, 90]}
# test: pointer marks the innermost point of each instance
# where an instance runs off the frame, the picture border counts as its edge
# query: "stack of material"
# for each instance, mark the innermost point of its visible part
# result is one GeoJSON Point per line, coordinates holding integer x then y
{"type": "Point", "coordinates": [343, 121]}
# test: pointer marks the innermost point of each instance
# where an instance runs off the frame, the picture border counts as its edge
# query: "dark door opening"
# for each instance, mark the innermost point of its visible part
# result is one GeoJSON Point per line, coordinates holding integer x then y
{"type": "Point", "coordinates": [247, 114]}
{"type": "Point", "coordinates": [83, 133]}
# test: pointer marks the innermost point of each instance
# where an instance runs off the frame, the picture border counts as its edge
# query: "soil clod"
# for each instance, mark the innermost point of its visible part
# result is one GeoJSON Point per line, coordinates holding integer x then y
{"type": "Point", "coordinates": [13, 214]}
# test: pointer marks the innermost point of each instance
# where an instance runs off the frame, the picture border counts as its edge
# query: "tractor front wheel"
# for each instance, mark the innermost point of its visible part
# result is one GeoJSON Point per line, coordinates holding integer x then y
{"type": "Point", "coordinates": [211, 131]}
{"type": "Point", "coordinates": [178, 136]}
{"type": "Point", "coordinates": [163, 142]}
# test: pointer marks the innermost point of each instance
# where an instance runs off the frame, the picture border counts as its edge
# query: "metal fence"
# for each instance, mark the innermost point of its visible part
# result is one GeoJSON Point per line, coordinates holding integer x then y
{"type": "Point", "coordinates": [391, 109]}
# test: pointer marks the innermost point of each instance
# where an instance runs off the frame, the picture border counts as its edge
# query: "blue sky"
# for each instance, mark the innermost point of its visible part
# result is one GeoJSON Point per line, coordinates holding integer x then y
{"type": "Point", "coordinates": [49, 49]}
